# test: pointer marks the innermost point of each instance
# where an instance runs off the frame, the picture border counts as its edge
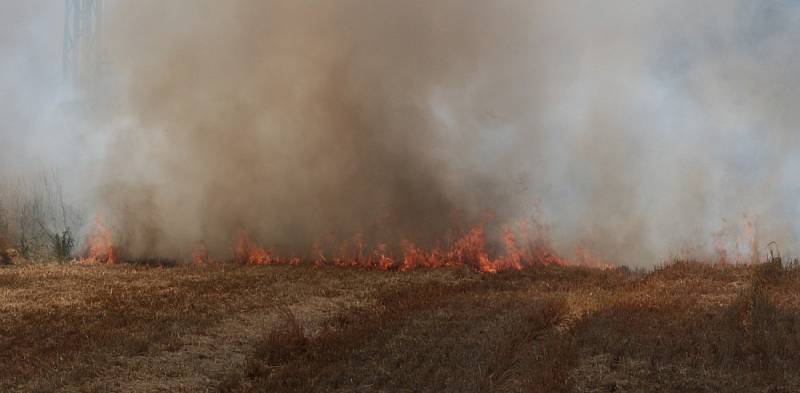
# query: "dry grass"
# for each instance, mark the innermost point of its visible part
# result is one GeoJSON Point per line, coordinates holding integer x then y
{"type": "Point", "coordinates": [683, 327]}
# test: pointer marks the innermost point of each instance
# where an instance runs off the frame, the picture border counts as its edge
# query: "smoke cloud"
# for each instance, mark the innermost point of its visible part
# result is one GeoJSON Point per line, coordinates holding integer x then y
{"type": "Point", "coordinates": [641, 131]}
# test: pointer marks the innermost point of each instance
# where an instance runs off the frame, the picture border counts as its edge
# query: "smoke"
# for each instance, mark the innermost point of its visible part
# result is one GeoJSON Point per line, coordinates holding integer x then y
{"type": "Point", "coordinates": [27, 101]}
{"type": "Point", "coordinates": [638, 130]}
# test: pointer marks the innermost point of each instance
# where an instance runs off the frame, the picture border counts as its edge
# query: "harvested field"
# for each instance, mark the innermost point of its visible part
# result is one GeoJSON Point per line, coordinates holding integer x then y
{"type": "Point", "coordinates": [121, 328]}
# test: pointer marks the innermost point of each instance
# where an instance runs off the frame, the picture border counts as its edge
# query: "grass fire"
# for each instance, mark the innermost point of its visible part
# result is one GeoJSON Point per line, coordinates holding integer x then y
{"type": "Point", "coordinates": [399, 196]}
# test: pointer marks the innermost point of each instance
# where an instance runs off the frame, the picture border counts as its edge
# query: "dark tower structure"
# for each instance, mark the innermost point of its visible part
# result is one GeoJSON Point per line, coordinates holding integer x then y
{"type": "Point", "coordinates": [83, 40]}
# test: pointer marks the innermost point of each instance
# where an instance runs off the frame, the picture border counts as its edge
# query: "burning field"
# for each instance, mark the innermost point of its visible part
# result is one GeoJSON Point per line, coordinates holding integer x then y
{"type": "Point", "coordinates": [527, 246]}
{"type": "Point", "coordinates": [253, 328]}
{"type": "Point", "coordinates": [399, 196]}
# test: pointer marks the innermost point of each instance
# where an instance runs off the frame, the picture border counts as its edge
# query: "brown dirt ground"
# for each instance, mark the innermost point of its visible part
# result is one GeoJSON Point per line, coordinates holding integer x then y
{"type": "Point", "coordinates": [683, 327]}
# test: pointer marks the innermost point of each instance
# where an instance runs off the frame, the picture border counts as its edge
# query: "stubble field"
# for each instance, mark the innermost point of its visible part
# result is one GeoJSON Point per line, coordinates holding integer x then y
{"type": "Point", "coordinates": [224, 328]}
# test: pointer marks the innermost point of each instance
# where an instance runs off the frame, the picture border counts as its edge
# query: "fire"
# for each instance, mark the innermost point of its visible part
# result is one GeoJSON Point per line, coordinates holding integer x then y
{"type": "Point", "coordinates": [101, 246]}
{"type": "Point", "coordinates": [470, 250]}
{"type": "Point", "coordinates": [200, 254]}
{"type": "Point", "coordinates": [519, 247]}
{"type": "Point", "coordinates": [379, 253]}
{"type": "Point", "coordinates": [247, 252]}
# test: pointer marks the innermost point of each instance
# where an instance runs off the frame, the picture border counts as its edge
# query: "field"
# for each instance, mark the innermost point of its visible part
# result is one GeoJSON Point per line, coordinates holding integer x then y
{"type": "Point", "coordinates": [682, 327]}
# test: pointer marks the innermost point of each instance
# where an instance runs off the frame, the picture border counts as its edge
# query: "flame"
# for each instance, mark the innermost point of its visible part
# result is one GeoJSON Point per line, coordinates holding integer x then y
{"type": "Point", "coordinates": [101, 246]}
{"type": "Point", "coordinates": [247, 252]}
{"type": "Point", "coordinates": [200, 254]}
{"type": "Point", "coordinates": [525, 246]}
{"type": "Point", "coordinates": [470, 249]}
{"type": "Point", "coordinates": [382, 261]}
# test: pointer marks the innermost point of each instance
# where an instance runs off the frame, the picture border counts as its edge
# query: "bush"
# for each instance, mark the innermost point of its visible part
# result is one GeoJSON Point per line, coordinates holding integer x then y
{"type": "Point", "coordinates": [63, 245]}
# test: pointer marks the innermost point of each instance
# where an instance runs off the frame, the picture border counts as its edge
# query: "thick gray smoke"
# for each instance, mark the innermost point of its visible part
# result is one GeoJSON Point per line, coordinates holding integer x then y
{"type": "Point", "coordinates": [640, 130]}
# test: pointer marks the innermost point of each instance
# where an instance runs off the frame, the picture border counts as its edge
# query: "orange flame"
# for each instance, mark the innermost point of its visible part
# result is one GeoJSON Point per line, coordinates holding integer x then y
{"type": "Point", "coordinates": [101, 247]}
{"type": "Point", "coordinates": [200, 254]}
{"type": "Point", "coordinates": [468, 250]}
{"type": "Point", "coordinates": [383, 262]}
{"type": "Point", "coordinates": [526, 246]}
{"type": "Point", "coordinates": [247, 252]}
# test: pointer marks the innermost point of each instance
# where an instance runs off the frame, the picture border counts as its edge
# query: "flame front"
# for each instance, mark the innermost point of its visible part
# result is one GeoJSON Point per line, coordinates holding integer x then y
{"type": "Point", "coordinates": [101, 246]}
{"type": "Point", "coordinates": [247, 252]}
{"type": "Point", "coordinates": [526, 246]}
